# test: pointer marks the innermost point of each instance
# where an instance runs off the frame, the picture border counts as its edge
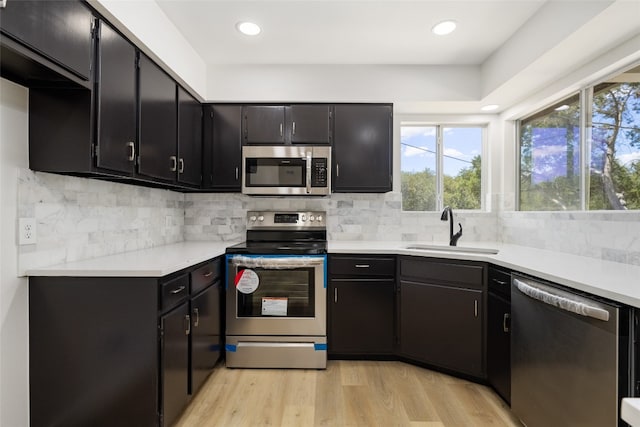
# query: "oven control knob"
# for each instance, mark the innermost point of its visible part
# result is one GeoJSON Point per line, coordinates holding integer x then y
{"type": "Point", "coordinates": [303, 217]}
{"type": "Point", "coordinates": [312, 218]}
{"type": "Point", "coordinates": [319, 218]}
{"type": "Point", "coordinates": [253, 218]}
{"type": "Point", "coordinates": [260, 218]}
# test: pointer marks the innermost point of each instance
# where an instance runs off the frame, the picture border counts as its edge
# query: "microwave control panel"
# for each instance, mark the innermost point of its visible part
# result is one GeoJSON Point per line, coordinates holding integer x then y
{"type": "Point", "coordinates": [319, 172]}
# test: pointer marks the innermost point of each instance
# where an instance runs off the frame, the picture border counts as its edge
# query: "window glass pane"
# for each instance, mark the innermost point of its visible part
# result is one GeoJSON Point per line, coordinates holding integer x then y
{"type": "Point", "coordinates": [615, 147]}
{"type": "Point", "coordinates": [418, 167]}
{"type": "Point", "coordinates": [461, 164]}
{"type": "Point", "coordinates": [550, 158]}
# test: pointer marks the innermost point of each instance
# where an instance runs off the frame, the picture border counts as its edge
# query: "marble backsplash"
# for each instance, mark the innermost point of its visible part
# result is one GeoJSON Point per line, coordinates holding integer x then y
{"type": "Point", "coordinates": [611, 236]}
{"type": "Point", "coordinates": [349, 217]}
{"type": "Point", "coordinates": [80, 218]}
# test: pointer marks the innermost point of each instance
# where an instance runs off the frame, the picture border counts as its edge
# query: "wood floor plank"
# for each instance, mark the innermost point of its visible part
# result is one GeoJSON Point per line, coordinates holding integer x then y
{"type": "Point", "coordinates": [347, 393]}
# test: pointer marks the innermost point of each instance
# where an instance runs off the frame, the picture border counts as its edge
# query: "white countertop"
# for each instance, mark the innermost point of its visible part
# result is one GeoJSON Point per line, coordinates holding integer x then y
{"type": "Point", "coordinates": [613, 280]}
{"type": "Point", "coordinates": [616, 281]}
{"type": "Point", "coordinates": [152, 262]}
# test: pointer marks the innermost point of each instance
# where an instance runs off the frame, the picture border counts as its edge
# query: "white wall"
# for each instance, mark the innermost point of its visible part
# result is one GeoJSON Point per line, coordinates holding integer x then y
{"type": "Point", "coordinates": [14, 313]}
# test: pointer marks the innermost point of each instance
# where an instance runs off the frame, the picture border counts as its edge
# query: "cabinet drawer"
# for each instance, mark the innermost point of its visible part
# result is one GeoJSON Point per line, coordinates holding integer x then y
{"type": "Point", "coordinates": [439, 272]}
{"type": "Point", "coordinates": [500, 282]}
{"type": "Point", "coordinates": [362, 266]}
{"type": "Point", "coordinates": [174, 291]}
{"type": "Point", "coordinates": [205, 275]}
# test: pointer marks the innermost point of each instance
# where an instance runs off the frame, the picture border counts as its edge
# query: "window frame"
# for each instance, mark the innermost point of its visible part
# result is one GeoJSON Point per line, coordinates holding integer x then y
{"type": "Point", "coordinates": [586, 96]}
{"type": "Point", "coordinates": [440, 126]}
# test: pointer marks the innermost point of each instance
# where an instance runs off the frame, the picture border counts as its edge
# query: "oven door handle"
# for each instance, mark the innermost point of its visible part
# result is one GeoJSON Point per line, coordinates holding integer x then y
{"type": "Point", "coordinates": [277, 263]}
{"type": "Point", "coordinates": [309, 172]}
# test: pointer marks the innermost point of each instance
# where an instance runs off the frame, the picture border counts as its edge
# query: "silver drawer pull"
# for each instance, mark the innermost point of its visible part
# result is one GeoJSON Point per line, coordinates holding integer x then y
{"type": "Point", "coordinates": [475, 308]}
{"type": "Point", "coordinates": [499, 282]}
{"type": "Point", "coordinates": [178, 290]}
{"type": "Point", "coordinates": [362, 266]}
{"type": "Point", "coordinates": [196, 312]}
{"type": "Point", "coordinates": [505, 327]}
{"type": "Point", "coordinates": [187, 321]}
{"type": "Point", "coordinates": [207, 274]}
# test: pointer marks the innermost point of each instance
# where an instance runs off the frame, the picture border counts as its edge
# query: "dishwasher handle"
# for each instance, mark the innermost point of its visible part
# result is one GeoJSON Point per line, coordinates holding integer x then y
{"type": "Point", "coordinates": [562, 302]}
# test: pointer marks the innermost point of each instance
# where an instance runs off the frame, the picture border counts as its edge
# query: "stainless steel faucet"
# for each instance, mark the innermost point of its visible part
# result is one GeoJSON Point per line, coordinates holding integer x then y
{"type": "Point", "coordinates": [447, 214]}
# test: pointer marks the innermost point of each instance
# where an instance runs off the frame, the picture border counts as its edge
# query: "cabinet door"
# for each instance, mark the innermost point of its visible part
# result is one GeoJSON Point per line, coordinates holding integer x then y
{"type": "Point", "coordinates": [499, 345]}
{"type": "Point", "coordinates": [223, 147]}
{"type": "Point", "coordinates": [206, 335]}
{"type": "Point", "coordinates": [362, 148]}
{"type": "Point", "coordinates": [361, 316]}
{"type": "Point", "coordinates": [310, 124]}
{"type": "Point", "coordinates": [442, 326]}
{"type": "Point", "coordinates": [175, 362]}
{"type": "Point", "coordinates": [157, 144]}
{"type": "Point", "coordinates": [59, 30]}
{"type": "Point", "coordinates": [264, 124]}
{"type": "Point", "coordinates": [116, 102]}
{"type": "Point", "coordinates": [189, 139]}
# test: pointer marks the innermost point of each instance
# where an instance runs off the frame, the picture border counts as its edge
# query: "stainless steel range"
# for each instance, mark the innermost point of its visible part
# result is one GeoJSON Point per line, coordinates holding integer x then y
{"type": "Point", "coordinates": [277, 292]}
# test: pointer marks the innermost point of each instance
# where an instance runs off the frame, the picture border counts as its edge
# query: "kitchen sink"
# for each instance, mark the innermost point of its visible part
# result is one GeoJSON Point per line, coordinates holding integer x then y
{"type": "Point", "coordinates": [447, 248]}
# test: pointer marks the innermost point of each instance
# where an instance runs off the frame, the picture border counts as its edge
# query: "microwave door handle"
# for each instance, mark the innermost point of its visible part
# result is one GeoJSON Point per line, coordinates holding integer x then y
{"type": "Point", "coordinates": [308, 172]}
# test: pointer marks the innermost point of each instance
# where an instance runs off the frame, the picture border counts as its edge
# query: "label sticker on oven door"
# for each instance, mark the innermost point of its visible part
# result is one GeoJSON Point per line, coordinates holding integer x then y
{"type": "Point", "coordinates": [272, 306]}
{"type": "Point", "coordinates": [247, 281]}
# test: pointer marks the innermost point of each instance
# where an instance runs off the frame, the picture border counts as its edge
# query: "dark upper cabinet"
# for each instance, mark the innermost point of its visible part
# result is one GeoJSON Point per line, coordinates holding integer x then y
{"type": "Point", "coordinates": [263, 124]}
{"type": "Point", "coordinates": [309, 124]}
{"type": "Point", "coordinates": [222, 151]}
{"type": "Point", "coordinates": [158, 123]}
{"type": "Point", "coordinates": [189, 139]}
{"type": "Point", "coordinates": [442, 313]}
{"type": "Point", "coordinates": [116, 102]}
{"type": "Point", "coordinates": [362, 148]}
{"type": "Point", "coordinates": [60, 31]}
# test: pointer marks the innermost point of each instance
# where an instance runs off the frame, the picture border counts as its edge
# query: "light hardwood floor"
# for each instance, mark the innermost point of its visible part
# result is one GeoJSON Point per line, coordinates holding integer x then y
{"type": "Point", "coordinates": [347, 393]}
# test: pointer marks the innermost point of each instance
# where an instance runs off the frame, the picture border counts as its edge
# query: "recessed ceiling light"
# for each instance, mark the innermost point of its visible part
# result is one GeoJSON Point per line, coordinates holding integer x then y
{"type": "Point", "coordinates": [562, 107]}
{"type": "Point", "coordinates": [443, 28]}
{"type": "Point", "coordinates": [490, 107]}
{"type": "Point", "coordinates": [248, 28]}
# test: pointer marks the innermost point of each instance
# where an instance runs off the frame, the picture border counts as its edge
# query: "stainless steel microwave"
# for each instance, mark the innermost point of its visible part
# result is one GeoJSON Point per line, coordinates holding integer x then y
{"type": "Point", "coordinates": [285, 169]}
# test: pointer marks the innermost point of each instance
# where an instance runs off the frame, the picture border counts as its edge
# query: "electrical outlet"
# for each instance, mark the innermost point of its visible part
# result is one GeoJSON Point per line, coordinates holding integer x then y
{"type": "Point", "coordinates": [26, 231]}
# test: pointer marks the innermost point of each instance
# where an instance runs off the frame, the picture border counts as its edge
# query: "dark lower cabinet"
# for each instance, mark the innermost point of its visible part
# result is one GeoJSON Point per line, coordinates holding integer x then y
{"type": "Point", "coordinates": [174, 355]}
{"type": "Point", "coordinates": [206, 338]}
{"type": "Point", "coordinates": [499, 332]}
{"type": "Point", "coordinates": [361, 305]}
{"type": "Point", "coordinates": [442, 313]}
{"type": "Point", "coordinates": [126, 351]}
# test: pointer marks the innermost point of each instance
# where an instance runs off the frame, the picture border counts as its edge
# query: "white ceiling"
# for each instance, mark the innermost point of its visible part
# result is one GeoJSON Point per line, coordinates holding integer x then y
{"type": "Point", "coordinates": [348, 32]}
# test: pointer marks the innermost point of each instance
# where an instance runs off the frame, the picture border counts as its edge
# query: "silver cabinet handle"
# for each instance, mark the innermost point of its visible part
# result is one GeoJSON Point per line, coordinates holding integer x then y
{"type": "Point", "coordinates": [499, 282]}
{"type": "Point", "coordinates": [293, 128]}
{"type": "Point", "coordinates": [178, 290]}
{"type": "Point", "coordinates": [505, 318]}
{"type": "Point", "coordinates": [174, 163]}
{"type": "Point", "coordinates": [187, 320]}
{"type": "Point", "coordinates": [132, 152]}
{"type": "Point", "coordinates": [208, 274]}
{"type": "Point", "coordinates": [196, 312]}
{"type": "Point", "coordinates": [335, 295]}
{"type": "Point", "coordinates": [308, 172]}
{"type": "Point", "coordinates": [281, 129]}
{"type": "Point", "coordinates": [237, 171]}
{"type": "Point", "coordinates": [362, 265]}
{"type": "Point", "coordinates": [337, 169]}
{"type": "Point", "coordinates": [181, 169]}
{"type": "Point", "coordinates": [475, 308]}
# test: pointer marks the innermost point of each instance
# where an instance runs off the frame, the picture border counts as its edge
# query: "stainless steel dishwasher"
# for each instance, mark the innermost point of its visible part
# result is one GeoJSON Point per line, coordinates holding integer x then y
{"type": "Point", "coordinates": [570, 356]}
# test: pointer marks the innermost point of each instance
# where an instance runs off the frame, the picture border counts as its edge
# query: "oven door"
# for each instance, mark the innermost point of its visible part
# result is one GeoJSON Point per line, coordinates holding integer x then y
{"type": "Point", "coordinates": [276, 170]}
{"type": "Point", "coordinates": [276, 295]}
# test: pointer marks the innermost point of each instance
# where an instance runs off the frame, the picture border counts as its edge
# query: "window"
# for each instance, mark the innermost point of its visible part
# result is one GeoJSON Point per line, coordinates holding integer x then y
{"type": "Point", "coordinates": [441, 166]}
{"type": "Point", "coordinates": [568, 165]}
